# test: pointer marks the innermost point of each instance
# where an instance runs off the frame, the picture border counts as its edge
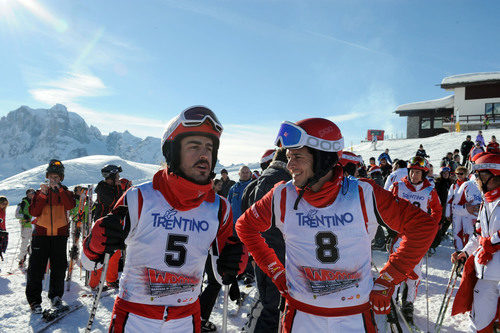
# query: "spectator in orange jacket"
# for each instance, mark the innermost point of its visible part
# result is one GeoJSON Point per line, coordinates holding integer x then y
{"type": "Point", "coordinates": [50, 205]}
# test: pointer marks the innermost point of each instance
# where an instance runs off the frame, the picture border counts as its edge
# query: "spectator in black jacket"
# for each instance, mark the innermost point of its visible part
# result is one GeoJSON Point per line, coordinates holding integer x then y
{"type": "Point", "coordinates": [108, 192]}
{"type": "Point", "coordinates": [466, 148]}
{"type": "Point", "coordinates": [226, 183]}
{"type": "Point", "coordinates": [421, 152]}
{"type": "Point", "coordinates": [442, 185]}
{"type": "Point", "coordinates": [268, 318]}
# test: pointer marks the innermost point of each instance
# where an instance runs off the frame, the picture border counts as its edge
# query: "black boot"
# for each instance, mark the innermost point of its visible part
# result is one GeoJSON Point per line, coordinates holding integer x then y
{"type": "Point", "coordinates": [407, 310]}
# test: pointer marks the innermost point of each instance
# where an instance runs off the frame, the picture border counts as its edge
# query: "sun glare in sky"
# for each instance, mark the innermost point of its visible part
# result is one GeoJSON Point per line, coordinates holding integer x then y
{"type": "Point", "coordinates": [10, 12]}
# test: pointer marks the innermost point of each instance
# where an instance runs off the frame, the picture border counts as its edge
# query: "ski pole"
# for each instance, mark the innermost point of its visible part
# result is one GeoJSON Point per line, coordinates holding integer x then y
{"type": "Point", "coordinates": [446, 292]}
{"type": "Point", "coordinates": [440, 323]}
{"type": "Point", "coordinates": [427, 287]}
{"type": "Point", "coordinates": [281, 308]}
{"type": "Point", "coordinates": [224, 308]}
{"type": "Point", "coordinates": [98, 295]}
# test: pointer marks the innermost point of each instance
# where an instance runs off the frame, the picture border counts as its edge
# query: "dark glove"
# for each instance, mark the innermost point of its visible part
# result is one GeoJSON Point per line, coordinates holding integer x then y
{"type": "Point", "coordinates": [107, 236]}
{"type": "Point", "coordinates": [229, 260]}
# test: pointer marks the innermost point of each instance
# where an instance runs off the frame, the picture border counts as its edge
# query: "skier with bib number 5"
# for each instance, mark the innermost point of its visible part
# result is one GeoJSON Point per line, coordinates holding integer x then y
{"type": "Point", "coordinates": [169, 226]}
{"type": "Point", "coordinates": [328, 222]}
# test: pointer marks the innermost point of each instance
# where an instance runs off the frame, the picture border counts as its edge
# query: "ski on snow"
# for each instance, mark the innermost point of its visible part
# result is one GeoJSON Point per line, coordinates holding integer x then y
{"type": "Point", "coordinates": [52, 316]}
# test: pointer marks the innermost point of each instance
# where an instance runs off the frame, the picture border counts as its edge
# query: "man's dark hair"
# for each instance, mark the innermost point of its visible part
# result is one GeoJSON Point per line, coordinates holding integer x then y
{"type": "Point", "coordinates": [401, 163]}
{"type": "Point", "coordinates": [223, 171]}
{"type": "Point", "coordinates": [350, 168]}
{"type": "Point", "coordinates": [280, 155]}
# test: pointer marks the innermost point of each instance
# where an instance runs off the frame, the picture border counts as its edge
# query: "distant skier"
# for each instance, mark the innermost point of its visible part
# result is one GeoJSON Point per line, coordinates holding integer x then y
{"type": "Point", "coordinates": [374, 142]}
{"type": "Point", "coordinates": [461, 194]}
{"type": "Point", "coordinates": [24, 217]}
{"type": "Point", "coordinates": [4, 235]}
{"type": "Point", "coordinates": [417, 190]}
{"type": "Point", "coordinates": [421, 152]}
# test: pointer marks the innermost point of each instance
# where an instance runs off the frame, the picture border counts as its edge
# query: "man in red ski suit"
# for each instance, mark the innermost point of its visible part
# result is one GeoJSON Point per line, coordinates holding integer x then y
{"type": "Point", "coordinates": [480, 286]}
{"type": "Point", "coordinates": [416, 189]}
{"type": "Point", "coordinates": [328, 222]}
{"type": "Point", "coordinates": [169, 226]}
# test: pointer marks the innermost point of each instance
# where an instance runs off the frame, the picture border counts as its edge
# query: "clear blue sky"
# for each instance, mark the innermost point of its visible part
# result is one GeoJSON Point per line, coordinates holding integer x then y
{"type": "Point", "coordinates": [135, 64]}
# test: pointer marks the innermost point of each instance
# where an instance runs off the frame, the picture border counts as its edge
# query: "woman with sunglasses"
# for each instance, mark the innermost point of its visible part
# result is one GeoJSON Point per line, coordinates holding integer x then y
{"type": "Point", "coordinates": [461, 195]}
{"type": "Point", "coordinates": [480, 286]}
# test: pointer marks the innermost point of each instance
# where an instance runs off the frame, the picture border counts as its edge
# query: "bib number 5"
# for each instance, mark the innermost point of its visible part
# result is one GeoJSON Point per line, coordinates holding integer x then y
{"type": "Point", "coordinates": [175, 252]}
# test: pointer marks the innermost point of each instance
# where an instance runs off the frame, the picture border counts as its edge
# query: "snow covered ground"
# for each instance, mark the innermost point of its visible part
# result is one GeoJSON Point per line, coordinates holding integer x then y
{"type": "Point", "coordinates": [15, 315]}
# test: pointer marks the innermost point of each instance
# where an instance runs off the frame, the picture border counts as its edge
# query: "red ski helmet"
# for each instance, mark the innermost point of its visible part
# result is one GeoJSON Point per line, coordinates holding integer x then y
{"type": "Point", "coordinates": [268, 156]}
{"type": "Point", "coordinates": [195, 120]}
{"type": "Point", "coordinates": [321, 136]}
{"type": "Point", "coordinates": [373, 169]}
{"type": "Point", "coordinates": [487, 161]}
{"type": "Point", "coordinates": [419, 163]}
{"type": "Point", "coordinates": [348, 157]}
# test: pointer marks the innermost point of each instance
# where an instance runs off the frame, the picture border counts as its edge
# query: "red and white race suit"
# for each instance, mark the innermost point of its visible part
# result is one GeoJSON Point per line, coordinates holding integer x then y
{"type": "Point", "coordinates": [426, 198]}
{"type": "Point", "coordinates": [174, 224]}
{"type": "Point", "coordinates": [483, 287]}
{"type": "Point", "coordinates": [460, 194]}
{"type": "Point", "coordinates": [327, 242]}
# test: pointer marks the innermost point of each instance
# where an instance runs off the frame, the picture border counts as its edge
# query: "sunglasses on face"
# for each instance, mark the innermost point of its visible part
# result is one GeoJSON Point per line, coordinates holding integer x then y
{"type": "Point", "coordinates": [459, 173]}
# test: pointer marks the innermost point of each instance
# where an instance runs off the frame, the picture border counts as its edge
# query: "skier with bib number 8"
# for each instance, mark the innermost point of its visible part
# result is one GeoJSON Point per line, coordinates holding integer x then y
{"type": "Point", "coordinates": [328, 222]}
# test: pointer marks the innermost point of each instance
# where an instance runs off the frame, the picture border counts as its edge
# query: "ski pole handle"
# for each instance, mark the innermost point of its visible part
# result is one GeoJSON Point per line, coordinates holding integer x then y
{"type": "Point", "coordinates": [98, 296]}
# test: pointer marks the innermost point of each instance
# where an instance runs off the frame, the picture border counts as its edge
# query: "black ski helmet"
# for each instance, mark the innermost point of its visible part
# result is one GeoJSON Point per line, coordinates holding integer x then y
{"type": "Point", "coordinates": [55, 166]}
{"type": "Point", "coordinates": [195, 120]}
{"type": "Point", "coordinates": [110, 170]}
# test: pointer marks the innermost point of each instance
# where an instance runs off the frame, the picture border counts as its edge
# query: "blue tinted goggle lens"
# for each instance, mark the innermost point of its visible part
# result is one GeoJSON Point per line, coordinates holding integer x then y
{"type": "Point", "coordinates": [288, 135]}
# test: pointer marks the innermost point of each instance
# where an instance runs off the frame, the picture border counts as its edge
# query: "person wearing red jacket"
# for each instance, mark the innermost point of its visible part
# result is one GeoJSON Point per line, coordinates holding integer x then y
{"type": "Point", "coordinates": [50, 206]}
{"type": "Point", "coordinates": [479, 290]}
{"type": "Point", "coordinates": [169, 226]}
{"type": "Point", "coordinates": [328, 222]}
{"type": "Point", "coordinates": [417, 190]}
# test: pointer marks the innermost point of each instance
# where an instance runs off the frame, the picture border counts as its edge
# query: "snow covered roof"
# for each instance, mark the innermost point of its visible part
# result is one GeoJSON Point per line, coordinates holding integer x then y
{"type": "Point", "coordinates": [441, 103]}
{"type": "Point", "coordinates": [467, 79]}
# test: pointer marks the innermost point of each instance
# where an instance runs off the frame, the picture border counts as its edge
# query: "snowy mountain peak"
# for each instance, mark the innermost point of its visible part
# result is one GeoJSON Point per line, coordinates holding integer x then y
{"type": "Point", "coordinates": [31, 137]}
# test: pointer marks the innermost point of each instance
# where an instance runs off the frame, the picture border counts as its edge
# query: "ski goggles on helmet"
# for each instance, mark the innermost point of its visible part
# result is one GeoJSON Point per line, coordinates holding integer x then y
{"type": "Point", "coordinates": [419, 161]}
{"type": "Point", "coordinates": [291, 136]}
{"type": "Point", "coordinates": [443, 169]}
{"type": "Point", "coordinates": [197, 115]}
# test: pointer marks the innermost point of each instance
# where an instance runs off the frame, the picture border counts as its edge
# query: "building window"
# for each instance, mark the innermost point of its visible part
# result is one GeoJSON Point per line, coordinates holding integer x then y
{"type": "Point", "coordinates": [425, 123]}
{"type": "Point", "coordinates": [438, 122]}
{"type": "Point", "coordinates": [492, 109]}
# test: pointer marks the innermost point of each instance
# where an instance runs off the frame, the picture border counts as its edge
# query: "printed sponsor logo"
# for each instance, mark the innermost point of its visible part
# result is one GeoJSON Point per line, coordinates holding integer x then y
{"type": "Point", "coordinates": [167, 283]}
{"type": "Point", "coordinates": [185, 300]}
{"type": "Point", "coordinates": [313, 220]}
{"type": "Point", "coordinates": [413, 197]}
{"type": "Point", "coordinates": [323, 281]}
{"type": "Point", "coordinates": [170, 221]}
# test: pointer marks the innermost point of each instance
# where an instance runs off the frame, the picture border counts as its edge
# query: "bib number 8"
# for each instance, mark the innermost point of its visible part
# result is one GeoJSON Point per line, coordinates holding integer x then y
{"type": "Point", "coordinates": [327, 251]}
